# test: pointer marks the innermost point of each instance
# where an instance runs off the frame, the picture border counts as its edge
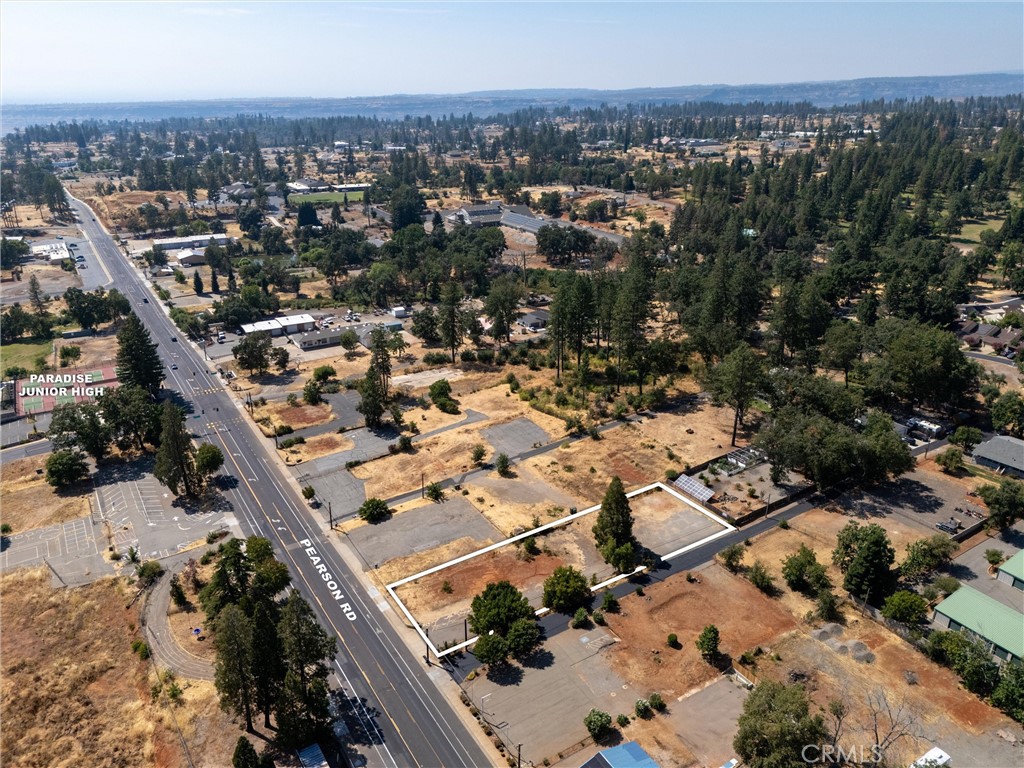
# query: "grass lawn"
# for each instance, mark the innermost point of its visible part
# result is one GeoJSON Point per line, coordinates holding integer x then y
{"type": "Point", "coordinates": [982, 473]}
{"type": "Point", "coordinates": [24, 354]}
{"type": "Point", "coordinates": [324, 197]}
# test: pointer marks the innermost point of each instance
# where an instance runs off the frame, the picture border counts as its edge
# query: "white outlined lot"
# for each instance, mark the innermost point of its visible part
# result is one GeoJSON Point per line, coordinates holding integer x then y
{"type": "Point", "coordinates": [726, 528]}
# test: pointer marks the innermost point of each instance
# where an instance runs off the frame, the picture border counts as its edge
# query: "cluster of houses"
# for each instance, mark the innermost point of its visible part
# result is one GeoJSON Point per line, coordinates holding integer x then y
{"type": "Point", "coordinates": [1001, 341]}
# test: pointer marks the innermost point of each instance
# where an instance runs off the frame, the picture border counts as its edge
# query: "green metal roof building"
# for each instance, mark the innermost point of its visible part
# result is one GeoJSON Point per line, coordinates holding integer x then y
{"type": "Point", "coordinates": [1012, 571]}
{"type": "Point", "coordinates": [984, 616]}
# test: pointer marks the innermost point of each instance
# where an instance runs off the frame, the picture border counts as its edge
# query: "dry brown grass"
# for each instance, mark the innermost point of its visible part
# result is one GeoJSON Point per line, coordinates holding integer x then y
{"type": "Point", "coordinates": [73, 692]}
{"type": "Point", "coordinates": [29, 502]}
{"type": "Point", "coordinates": [744, 617]}
{"type": "Point", "coordinates": [315, 447]}
{"type": "Point", "coordinates": [296, 416]}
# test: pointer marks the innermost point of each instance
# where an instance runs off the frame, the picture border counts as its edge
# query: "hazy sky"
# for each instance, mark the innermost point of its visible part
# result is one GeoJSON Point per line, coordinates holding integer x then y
{"type": "Point", "coordinates": [148, 51]}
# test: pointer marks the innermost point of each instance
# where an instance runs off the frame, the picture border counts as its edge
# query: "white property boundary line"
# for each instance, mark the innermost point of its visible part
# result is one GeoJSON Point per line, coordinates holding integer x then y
{"type": "Point", "coordinates": [726, 529]}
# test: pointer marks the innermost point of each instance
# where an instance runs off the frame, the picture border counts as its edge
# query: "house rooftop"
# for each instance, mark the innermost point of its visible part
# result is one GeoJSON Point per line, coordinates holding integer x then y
{"type": "Point", "coordinates": [1002, 449]}
{"type": "Point", "coordinates": [1014, 566]}
{"type": "Point", "coordinates": [986, 617]}
{"type": "Point", "coordinates": [628, 755]}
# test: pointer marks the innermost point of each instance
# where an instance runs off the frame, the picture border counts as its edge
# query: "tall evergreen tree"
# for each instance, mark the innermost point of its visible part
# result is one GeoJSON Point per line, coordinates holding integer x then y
{"type": "Point", "coordinates": [245, 755]}
{"type": "Point", "coordinates": [137, 361]}
{"type": "Point", "coordinates": [267, 665]}
{"type": "Point", "coordinates": [736, 381]}
{"type": "Point", "coordinates": [233, 668]}
{"type": "Point", "coordinates": [613, 530]}
{"type": "Point", "coordinates": [305, 647]}
{"type": "Point", "coordinates": [175, 458]}
{"type": "Point", "coordinates": [451, 321]}
{"type": "Point", "coordinates": [502, 306]}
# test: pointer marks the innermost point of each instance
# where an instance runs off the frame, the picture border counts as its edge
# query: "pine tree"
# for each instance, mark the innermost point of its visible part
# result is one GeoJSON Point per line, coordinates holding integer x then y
{"type": "Point", "coordinates": [380, 359]}
{"type": "Point", "coordinates": [214, 282]}
{"type": "Point", "coordinates": [197, 282]}
{"type": "Point", "coordinates": [137, 360]}
{"type": "Point", "coordinates": [614, 524]}
{"type": "Point", "coordinates": [36, 297]}
{"type": "Point", "coordinates": [245, 755]}
{"type": "Point", "coordinates": [233, 668]}
{"type": "Point", "coordinates": [451, 322]}
{"type": "Point", "coordinates": [175, 458]}
{"type": "Point", "coordinates": [267, 667]}
{"type": "Point", "coordinates": [302, 705]}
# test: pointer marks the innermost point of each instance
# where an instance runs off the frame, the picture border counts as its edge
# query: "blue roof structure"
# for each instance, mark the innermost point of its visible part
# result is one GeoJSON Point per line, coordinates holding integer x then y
{"type": "Point", "coordinates": [628, 755]}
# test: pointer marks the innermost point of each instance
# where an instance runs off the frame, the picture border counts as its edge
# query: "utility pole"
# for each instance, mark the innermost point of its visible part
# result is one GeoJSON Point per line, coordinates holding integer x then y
{"type": "Point", "coordinates": [330, 514]}
{"type": "Point", "coordinates": [426, 646]}
{"type": "Point", "coordinates": [519, 756]}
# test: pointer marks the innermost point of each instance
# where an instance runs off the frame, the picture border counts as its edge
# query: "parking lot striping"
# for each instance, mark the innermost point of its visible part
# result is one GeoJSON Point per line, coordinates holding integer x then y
{"type": "Point", "coordinates": [727, 528]}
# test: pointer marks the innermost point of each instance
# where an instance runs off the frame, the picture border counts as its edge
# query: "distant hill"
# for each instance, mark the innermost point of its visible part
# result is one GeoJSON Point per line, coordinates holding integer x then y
{"type": "Point", "coordinates": [484, 103]}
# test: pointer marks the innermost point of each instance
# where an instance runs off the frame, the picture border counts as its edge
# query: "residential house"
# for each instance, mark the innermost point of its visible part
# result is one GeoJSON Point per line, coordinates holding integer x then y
{"type": "Point", "coordinates": [535, 320]}
{"type": "Point", "coordinates": [998, 625]}
{"type": "Point", "coordinates": [1002, 453]}
{"type": "Point", "coordinates": [628, 755]}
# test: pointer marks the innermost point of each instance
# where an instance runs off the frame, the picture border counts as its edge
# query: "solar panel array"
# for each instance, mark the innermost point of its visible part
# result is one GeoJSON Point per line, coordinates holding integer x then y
{"type": "Point", "coordinates": [694, 488]}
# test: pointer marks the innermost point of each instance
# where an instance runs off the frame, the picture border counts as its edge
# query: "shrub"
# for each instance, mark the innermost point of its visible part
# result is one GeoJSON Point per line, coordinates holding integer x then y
{"type": "Point", "coordinates": [598, 617]}
{"type": "Point", "coordinates": [5, 529]}
{"type": "Point", "coordinates": [580, 619]}
{"type": "Point", "coordinates": [308, 492]}
{"type": "Point", "coordinates": [827, 605]}
{"type": "Point", "coordinates": [467, 356]}
{"type": "Point", "coordinates": [673, 640]}
{"type": "Point", "coordinates": [622, 721]}
{"type": "Point", "coordinates": [707, 642]}
{"type": "Point", "coordinates": [732, 556]}
{"type": "Point", "coordinates": [784, 525]}
{"type": "Point", "coordinates": [435, 492]}
{"type": "Point", "coordinates": [760, 577]}
{"type": "Point", "coordinates": [291, 442]}
{"type": "Point", "coordinates": [906, 607]}
{"type": "Point", "coordinates": [657, 703]}
{"type": "Point", "coordinates": [609, 603]}
{"type": "Point", "coordinates": [597, 723]}
{"type": "Point", "coordinates": [447, 587]}
{"type": "Point", "coordinates": [435, 358]}
{"type": "Point", "coordinates": [485, 356]}
{"type": "Point", "coordinates": [283, 429]}
{"type": "Point", "coordinates": [374, 510]}
{"type": "Point", "coordinates": [642, 708]}
{"type": "Point", "coordinates": [503, 465]}
{"type": "Point", "coordinates": [404, 443]}
{"type": "Point", "coordinates": [947, 585]}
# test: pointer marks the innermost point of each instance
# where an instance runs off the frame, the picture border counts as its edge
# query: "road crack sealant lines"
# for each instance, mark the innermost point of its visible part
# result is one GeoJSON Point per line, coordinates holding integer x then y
{"type": "Point", "coordinates": [328, 577]}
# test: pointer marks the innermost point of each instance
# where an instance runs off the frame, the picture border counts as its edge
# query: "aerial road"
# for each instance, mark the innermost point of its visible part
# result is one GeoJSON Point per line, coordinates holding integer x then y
{"type": "Point", "coordinates": [400, 718]}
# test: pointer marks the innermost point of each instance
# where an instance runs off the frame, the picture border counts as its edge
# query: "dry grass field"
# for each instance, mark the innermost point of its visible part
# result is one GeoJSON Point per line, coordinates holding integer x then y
{"type": "Point", "coordinates": [74, 694]}
{"type": "Point", "coordinates": [29, 502]}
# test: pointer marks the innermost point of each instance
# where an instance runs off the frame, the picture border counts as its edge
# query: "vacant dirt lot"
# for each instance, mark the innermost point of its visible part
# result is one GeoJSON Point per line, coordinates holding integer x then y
{"type": "Point", "coordinates": [29, 502]}
{"type": "Point", "coordinates": [638, 453]}
{"type": "Point", "coordinates": [74, 694]}
{"type": "Point", "coordinates": [744, 617]}
{"type": "Point", "coordinates": [448, 454]}
{"type": "Point", "coordinates": [296, 416]}
{"type": "Point", "coordinates": [936, 699]}
{"type": "Point", "coordinates": [315, 447]}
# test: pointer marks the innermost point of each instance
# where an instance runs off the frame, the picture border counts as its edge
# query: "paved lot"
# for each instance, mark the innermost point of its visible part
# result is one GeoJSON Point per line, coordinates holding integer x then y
{"type": "Point", "coordinates": [71, 550]}
{"type": "Point", "coordinates": [706, 720]}
{"type": "Point", "coordinates": [920, 498]}
{"type": "Point", "coordinates": [664, 533]}
{"type": "Point", "coordinates": [542, 704]}
{"type": "Point", "coordinates": [423, 528]}
{"type": "Point", "coordinates": [516, 437]}
{"type": "Point", "coordinates": [971, 568]}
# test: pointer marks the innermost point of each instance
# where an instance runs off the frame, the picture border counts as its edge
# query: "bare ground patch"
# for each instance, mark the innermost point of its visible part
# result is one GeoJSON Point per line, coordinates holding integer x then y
{"type": "Point", "coordinates": [744, 616]}
{"type": "Point", "coordinates": [30, 502]}
{"type": "Point", "coordinates": [296, 416]}
{"type": "Point", "coordinates": [315, 447]}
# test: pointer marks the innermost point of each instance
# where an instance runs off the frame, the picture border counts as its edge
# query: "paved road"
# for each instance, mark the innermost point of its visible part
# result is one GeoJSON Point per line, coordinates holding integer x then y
{"type": "Point", "coordinates": [992, 358]}
{"type": "Point", "coordinates": [392, 698]}
{"type": "Point", "coordinates": [165, 648]}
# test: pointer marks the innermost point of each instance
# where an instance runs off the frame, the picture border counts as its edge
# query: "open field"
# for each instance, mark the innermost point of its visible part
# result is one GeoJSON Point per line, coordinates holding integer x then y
{"type": "Point", "coordinates": [636, 452]}
{"type": "Point", "coordinates": [315, 447]}
{"type": "Point", "coordinates": [74, 694]}
{"type": "Point", "coordinates": [53, 281]}
{"type": "Point", "coordinates": [440, 598]}
{"type": "Point", "coordinates": [448, 454]}
{"type": "Point", "coordinates": [23, 354]}
{"type": "Point", "coordinates": [744, 616]}
{"type": "Point", "coordinates": [30, 503]}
